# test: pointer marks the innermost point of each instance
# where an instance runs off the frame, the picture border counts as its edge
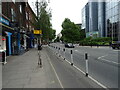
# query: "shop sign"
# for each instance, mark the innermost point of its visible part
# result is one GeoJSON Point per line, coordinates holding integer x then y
{"type": "Point", "coordinates": [37, 31]}
{"type": "Point", "coordinates": [4, 21]}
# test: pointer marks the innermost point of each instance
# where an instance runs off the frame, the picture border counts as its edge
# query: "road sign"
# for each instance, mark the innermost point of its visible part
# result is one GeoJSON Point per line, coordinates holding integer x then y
{"type": "Point", "coordinates": [37, 31]}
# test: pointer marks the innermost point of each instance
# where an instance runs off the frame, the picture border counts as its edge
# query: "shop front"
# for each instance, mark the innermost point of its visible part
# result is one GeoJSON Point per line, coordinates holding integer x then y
{"type": "Point", "coordinates": [6, 35]}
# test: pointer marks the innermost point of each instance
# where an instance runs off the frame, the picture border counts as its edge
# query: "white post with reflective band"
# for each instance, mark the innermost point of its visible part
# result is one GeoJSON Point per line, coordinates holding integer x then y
{"type": "Point", "coordinates": [59, 51]}
{"type": "Point", "coordinates": [64, 53]}
{"type": "Point", "coordinates": [5, 58]}
{"type": "Point", "coordinates": [86, 59]}
{"type": "Point", "coordinates": [56, 50]}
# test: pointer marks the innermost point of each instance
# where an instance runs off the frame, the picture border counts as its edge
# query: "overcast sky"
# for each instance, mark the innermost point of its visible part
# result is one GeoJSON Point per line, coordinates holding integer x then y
{"type": "Point", "coordinates": [62, 9]}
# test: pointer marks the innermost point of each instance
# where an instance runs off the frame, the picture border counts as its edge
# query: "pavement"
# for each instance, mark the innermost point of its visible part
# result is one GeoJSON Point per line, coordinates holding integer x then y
{"type": "Point", "coordinates": [23, 72]}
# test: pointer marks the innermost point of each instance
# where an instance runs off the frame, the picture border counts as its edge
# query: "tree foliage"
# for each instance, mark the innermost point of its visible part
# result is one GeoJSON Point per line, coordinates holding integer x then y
{"type": "Point", "coordinates": [44, 24]}
{"type": "Point", "coordinates": [70, 31]}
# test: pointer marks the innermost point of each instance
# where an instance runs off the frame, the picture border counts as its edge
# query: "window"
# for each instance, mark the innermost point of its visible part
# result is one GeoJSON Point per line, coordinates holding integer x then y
{"type": "Point", "coordinates": [13, 14]}
{"type": "Point", "coordinates": [26, 15]}
{"type": "Point", "coordinates": [20, 7]}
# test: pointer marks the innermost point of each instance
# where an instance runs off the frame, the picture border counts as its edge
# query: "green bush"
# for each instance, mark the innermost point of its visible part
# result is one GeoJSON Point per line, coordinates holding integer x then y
{"type": "Point", "coordinates": [96, 41]}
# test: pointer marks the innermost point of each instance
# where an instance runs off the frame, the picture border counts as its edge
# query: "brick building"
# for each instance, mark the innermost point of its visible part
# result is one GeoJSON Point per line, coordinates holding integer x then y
{"type": "Point", "coordinates": [17, 22]}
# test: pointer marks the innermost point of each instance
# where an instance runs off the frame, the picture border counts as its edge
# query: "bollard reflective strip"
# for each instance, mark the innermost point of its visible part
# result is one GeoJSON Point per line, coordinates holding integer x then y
{"type": "Point", "coordinates": [71, 52]}
{"type": "Point", "coordinates": [86, 56]}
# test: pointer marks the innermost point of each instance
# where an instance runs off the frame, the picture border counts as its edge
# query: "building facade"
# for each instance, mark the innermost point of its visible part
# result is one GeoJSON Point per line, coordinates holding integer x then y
{"type": "Point", "coordinates": [17, 26]}
{"type": "Point", "coordinates": [85, 18]}
{"type": "Point", "coordinates": [112, 18]}
{"type": "Point", "coordinates": [104, 19]}
{"type": "Point", "coordinates": [93, 19]}
{"type": "Point", "coordinates": [101, 19]}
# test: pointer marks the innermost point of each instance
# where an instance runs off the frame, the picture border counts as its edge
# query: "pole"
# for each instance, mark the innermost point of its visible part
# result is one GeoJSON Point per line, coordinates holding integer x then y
{"type": "Point", "coordinates": [59, 52]}
{"type": "Point", "coordinates": [86, 59]}
{"type": "Point", "coordinates": [5, 58]}
{"type": "Point", "coordinates": [56, 50]}
{"type": "Point", "coordinates": [71, 57]}
{"type": "Point", "coordinates": [64, 53]}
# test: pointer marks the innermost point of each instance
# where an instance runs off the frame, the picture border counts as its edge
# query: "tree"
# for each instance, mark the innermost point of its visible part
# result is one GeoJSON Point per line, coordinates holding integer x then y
{"type": "Point", "coordinates": [44, 18]}
{"type": "Point", "coordinates": [70, 31]}
{"type": "Point", "coordinates": [52, 34]}
{"type": "Point", "coordinates": [82, 34]}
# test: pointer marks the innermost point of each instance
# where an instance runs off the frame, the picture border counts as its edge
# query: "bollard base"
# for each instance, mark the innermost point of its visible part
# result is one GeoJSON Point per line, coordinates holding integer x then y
{"type": "Point", "coordinates": [86, 75]}
{"type": "Point", "coordinates": [71, 64]}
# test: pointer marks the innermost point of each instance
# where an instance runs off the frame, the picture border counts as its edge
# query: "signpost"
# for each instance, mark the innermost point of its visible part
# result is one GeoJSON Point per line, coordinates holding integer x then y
{"type": "Point", "coordinates": [38, 32]}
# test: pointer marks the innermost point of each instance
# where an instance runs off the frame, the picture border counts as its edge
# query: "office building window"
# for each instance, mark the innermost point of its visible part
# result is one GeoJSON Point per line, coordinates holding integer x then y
{"type": "Point", "coordinates": [20, 7]}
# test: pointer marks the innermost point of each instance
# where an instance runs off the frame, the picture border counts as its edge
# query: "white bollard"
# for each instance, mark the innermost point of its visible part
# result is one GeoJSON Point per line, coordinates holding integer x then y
{"type": "Point", "coordinates": [56, 50]}
{"type": "Point", "coordinates": [64, 53]}
{"type": "Point", "coordinates": [59, 52]}
{"type": "Point", "coordinates": [71, 57]}
{"type": "Point", "coordinates": [5, 58]}
{"type": "Point", "coordinates": [86, 59]}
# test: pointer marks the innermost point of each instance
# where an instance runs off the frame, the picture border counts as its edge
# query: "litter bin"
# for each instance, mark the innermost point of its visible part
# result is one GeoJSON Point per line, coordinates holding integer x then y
{"type": "Point", "coordinates": [3, 56]}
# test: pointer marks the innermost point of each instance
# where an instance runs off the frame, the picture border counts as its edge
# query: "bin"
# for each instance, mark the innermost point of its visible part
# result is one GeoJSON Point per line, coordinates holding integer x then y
{"type": "Point", "coordinates": [3, 56]}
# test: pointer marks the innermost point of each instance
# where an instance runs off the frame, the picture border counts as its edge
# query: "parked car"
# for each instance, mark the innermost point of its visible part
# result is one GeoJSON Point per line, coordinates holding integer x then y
{"type": "Point", "coordinates": [116, 45]}
{"type": "Point", "coordinates": [69, 45]}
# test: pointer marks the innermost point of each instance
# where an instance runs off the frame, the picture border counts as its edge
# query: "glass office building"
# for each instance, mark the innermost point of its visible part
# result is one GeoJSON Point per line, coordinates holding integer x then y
{"type": "Point", "coordinates": [85, 18]}
{"type": "Point", "coordinates": [93, 19]}
{"type": "Point", "coordinates": [101, 19]}
{"type": "Point", "coordinates": [112, 18]}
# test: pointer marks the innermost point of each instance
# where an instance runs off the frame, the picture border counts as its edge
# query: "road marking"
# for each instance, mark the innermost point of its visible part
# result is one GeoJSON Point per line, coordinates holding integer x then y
{"type": "Point", "coordinates": [103, 86]}
{"type": "Point", "coordinates": [98, 82]}
{"type": "Point", "coordinates": [116, 50]}
{"type": "Point", "coordinates": [79, 52]}
{"type": "Point", "coordinates": [101, 58]}
{"type": "Point", "coordinates": [56, 74]}
{"type": "Point", "coordinates": [88, 76]}
{"type": "Point", "coordinates": [109, 61]}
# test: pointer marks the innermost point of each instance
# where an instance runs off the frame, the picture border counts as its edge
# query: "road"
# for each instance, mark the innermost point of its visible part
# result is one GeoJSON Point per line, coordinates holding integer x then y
{"type": "Point", "coordinates": [67, 75]}
{"type": "Point", "coordinates": [103, 62]}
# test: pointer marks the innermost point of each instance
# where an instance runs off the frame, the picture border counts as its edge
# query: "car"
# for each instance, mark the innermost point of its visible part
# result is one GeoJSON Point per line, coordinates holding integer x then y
{"type": "Point", "coordinates": [116, 45]}
{"type": "Point", "coordinates": [69, 45]}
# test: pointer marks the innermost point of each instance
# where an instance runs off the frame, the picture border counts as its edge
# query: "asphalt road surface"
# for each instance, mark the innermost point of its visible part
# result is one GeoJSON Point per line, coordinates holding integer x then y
{"type": "Point", "coordinates": [67, 75]}
{"type": "Point", "coordinates": [103, 62]}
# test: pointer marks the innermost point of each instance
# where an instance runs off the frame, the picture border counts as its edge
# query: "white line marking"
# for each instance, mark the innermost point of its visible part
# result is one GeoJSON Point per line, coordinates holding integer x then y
{"type": "Point", "coordinates": [109, 61]}
{"type": "Point", "coordinates": [81, 72]}
{"type": "Point", "coordinates": [88, 76]}
{"type": "Point", "coordinates": [101, 58]}
{"type": "Point", "coordinates": [56, 74]}
{"type": "Point", "coordinates": [97, 82]}
{"type": "Point", "coordinates": [116, 50]}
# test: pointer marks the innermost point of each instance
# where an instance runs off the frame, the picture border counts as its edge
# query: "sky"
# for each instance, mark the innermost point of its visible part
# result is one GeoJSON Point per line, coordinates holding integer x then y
{"type": "Point", "coordinates": [62, 9]}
